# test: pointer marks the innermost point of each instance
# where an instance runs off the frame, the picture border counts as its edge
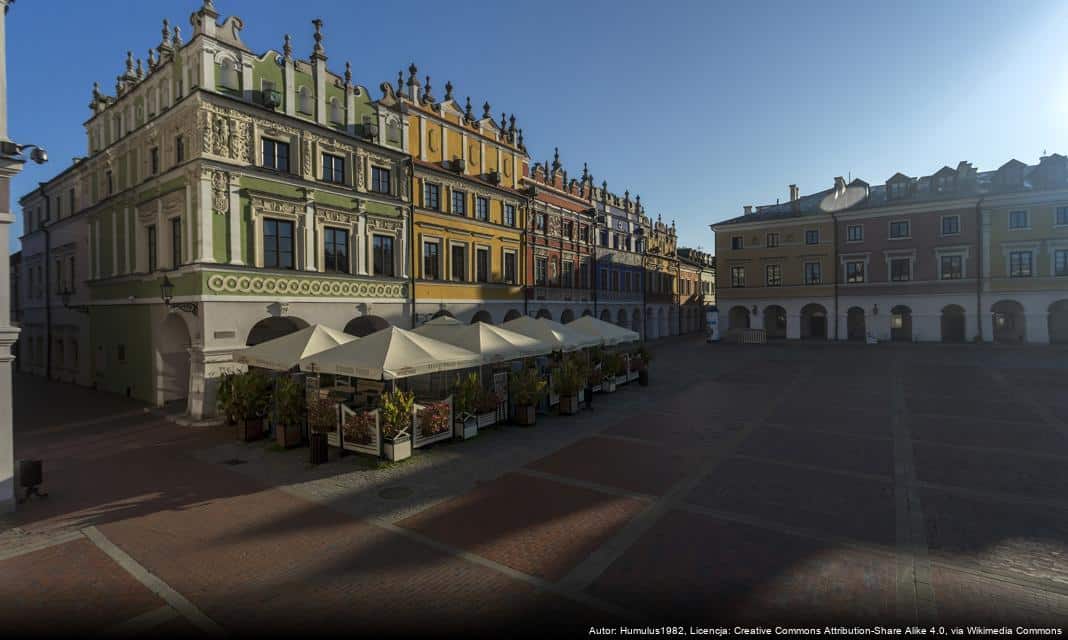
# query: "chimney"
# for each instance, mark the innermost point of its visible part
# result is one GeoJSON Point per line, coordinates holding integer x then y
{"type": "Point", "coordinates": [839, 185]}
{"type": "Point", "coordinates": [795, 193]}
{"type": "Point", "coordinates": [748, 209]}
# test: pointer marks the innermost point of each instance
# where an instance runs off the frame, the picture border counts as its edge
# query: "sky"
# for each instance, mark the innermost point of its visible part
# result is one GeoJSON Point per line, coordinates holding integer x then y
{"type": "Point", "coordinates": [701, 107]}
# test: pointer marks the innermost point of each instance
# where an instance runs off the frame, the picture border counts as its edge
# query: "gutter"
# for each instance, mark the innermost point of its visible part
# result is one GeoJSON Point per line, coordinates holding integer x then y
{"type": "Point", "coordinates": [416, 254]}
{"type": "Point", "coordinates": [47, 281]}
{"type": "Point", "coordinates": [979, 268]}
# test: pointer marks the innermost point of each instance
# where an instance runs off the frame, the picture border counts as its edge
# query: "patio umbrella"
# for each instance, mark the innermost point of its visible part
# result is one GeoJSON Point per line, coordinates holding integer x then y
{"type": "Point", "coordinates": [494, 344]}
{"type": "Point", "coordinates": [390, 354]}
{"type": "Point", "coordinates": [559, 336]}
{"type": "Point", "coordinates": [283, 353]}
{"type": "Point", "coordinates": [611, 334]}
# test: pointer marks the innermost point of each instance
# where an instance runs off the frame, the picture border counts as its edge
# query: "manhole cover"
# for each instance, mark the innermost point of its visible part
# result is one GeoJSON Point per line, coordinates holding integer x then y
{"type": "Point", "coordinates": [395, 493]}
{"type": "Point", "coordinates": [233, 462]}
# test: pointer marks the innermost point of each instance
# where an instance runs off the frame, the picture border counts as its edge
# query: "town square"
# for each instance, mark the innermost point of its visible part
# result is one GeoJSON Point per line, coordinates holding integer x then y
{"type": "Point", "coordinates": [313, 329]}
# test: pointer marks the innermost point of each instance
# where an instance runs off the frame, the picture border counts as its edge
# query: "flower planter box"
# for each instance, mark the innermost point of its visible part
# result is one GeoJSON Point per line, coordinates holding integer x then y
{"type": "Point", "coordinates": [250, 430]}
{"type": "Point", "coordinates": [466, 429]}
{"type": "Point", "coordinates": [433, 423]}
{"type": "Point", "coordinates": [525, 415]}
{"type": "Point", "coordinates": [360, 431]}
{"type": "Point", "coordinates": [287, 436]}
{"type": "Point", "coordinates": [399, 448]}
{"type": "Point", "coordinates": [569, 405]}
{"type": "Point", "coordinates": [621, 380]}
{"type": "Point", "coordinates": [487, 419]}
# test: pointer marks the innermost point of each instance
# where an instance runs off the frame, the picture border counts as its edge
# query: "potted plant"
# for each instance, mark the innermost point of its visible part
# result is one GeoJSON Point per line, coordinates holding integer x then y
{"type": "Point", "coordinates": [609, 370]}
{"type": "Point", "coordinates": [528, 388]}
{"type": "Point", "coordinates": [289, 411]}
{"type": "Point", "coordinates": [643, 369]}
{"type": "Point", "coordinates": [434, 418]}
{"type": "Point", "coordinates": [250, 395]}
{"type": "Point", "coordinates": [569, 379]}
{"type": "Point", "coordinates": [358, 430]}
{"type": "Point", "coordinates": [486, 408]}
{"type": "Point", "coordinates": [396, 421]}
{"type": "Point", "coordinates": [322, 423]}
{"type": "Point", "coordinates": [225, 399]}
{"type": "Point", "coordinates": [465, 395]}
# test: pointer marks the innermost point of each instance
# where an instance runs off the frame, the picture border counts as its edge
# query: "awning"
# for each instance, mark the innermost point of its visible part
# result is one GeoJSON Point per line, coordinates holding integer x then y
{"type": "Point", "coordinates": [610, 333]}
{"type": "Point", "coordinates": [559, 336]}
{"type": "Point", "coordinates": [494, 344]}
{"type": "Point", "coordinates": [390, 354]}
{"type": "Point", "coordinates": [283, 353]}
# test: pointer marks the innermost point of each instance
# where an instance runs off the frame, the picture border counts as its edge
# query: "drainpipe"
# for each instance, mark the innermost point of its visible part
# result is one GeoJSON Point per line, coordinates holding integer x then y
{"type": "Point", "coordinates": [834, 266]}
{"type": "Point", "coordinates": [47, 282]}
{"type": "Point", "coordinates": [416, 254]}
{"type": "Point", "coordinates": [979, 267]}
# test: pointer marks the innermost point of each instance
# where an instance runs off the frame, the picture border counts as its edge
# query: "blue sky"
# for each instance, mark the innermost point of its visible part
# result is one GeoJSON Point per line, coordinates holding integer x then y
{"type": "Point", "coordinates": [701, 107]}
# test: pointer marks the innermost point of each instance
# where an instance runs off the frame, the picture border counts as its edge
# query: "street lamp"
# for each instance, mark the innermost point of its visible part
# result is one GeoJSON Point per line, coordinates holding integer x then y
{"type": "Point", "coordinates": [9, 148]}
{"type": "Point", "coordinates": [65, 297]}
{"type": "Point", "coordinates": [166, 289]}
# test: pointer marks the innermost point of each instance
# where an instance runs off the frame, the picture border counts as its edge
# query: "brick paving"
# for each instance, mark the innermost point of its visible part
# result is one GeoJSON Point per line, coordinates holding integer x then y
{"type": "Point", "coordinates": [783, 483]}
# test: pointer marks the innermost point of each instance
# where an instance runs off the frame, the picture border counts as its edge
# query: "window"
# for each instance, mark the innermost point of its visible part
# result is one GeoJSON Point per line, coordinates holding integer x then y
{"type": "Point", "coordinates": [482, 264]}
{"type": "Point", "coordinates": [773, 275]}
{"type": "Point", "coordinates": [540, 270]}
{"type": "Point", "coordinates": [812, 273]}
{"type": "Point", "coordinates": [276, 155]}
{"type": "Point", "coordinates": [333, 169]}
{"type": "Point", "coordinates": [153, 155]}
{"type": "Point", "coordinates": [459, 262]}
{"type": "Point", "coordinates": [72, 283]}
{"type": "Point", "coordinates": [509, 215]}
{"type": "Point", "coordinates": [812, 236]}
{"type": "Point", "coordinates": [1061, 216]}
{"type": "Point", "coordinates": [854, 272]}
{"type": "Point", "coordinates": [482, 208]}
{"type": "Point", "coordinates": [900, 269]}
{"type": "Point", "coordinates": [110, 181]}
{"type": "Point", "coordinates": [772, 240]}
{"type": "Point", "coordinates": [151, 236]}
{"type": "Point", "coordinates": [335, 250]}
{"type": "Point", "coordinates": [1018, 220]}
{"type": "Point", "coordinates": [278, 244]}
{"type": "Point", "coordinates": [899, 229]}
{"type": "Point", "coordinates": [950, 225]}
{"type": "Point", "coordinates": [1020, 264]}
{"type": "Point", "coordinates": [380, 182]}
{"type": "Point", "coordinates": [509, 267]}
{"type": "Point", "coordinates": [432, 196]}
{"type": "Point", "coordinates": [229, 76]}
{"type": "Point", "coordinates": [268, 95]}
{"type": "Point", "coordinates": [569, 229]}
{"type": "Point", "coordinates": [951, 267]}
{"type": "Point", "coordinates": [604, 238]}
{"type": "Point", "coordinates": [431, 261]}
{"type": "Point", "coordinates": [304, 101]}
{"type": "Point", "coordinates": [615, 281]}
{"type": "Point", "coordinates": [459, 202]}
{"type": "Point", "coordinates": [736, 242]}
{"type": "Point", "coordinates": [737, 276]}
{"type": "Point", "coordinates": [70, 202]}
{"type": "Point", "coordinates": [898, 189]}
{"type": "Point", "coordinates": [179, 149]}
{"type": "Point", "coordinates": [382, 255]}
{"type": "Point", "coordinates": [1060, 262]}
{"type": "Point", "coordinates": [176, 242]}
{"type": "Point", "coordinates": [855, 233]}
{"type": "Point", "coordinates": [336, 115]}
{"type": "Point", "coordinates": [59, 277]}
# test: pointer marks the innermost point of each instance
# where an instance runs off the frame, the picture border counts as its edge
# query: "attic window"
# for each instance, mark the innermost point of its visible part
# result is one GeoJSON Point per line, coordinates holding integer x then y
{"type": "Point", "coordinates": [945, 183]}
{"type": "Point", "coordinates": [228, 78]}
{"type": "Point", "coordinates": [898, 189]}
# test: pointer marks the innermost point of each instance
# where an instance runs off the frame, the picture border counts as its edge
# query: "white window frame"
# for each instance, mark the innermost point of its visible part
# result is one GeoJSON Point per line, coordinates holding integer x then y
{"type": "Point", "coordinates": [804, 272]}
{"type": "Point", "coordinates": [890, 229]}
{"type": "Point", "coordinates": [767, 273]}
{"type": "Point", "coordinates": [515, 253]}
{"type": "Point", "coordinates": [964, 254]}
{"type": "Point", "coordinates": [1027, 220]}
{"type": "Point", "coordinates": [423, 241]}
{"type": "Point", "coordinates": [819, 239]}
{"type": "Point", "coordinates": [467, 261]}
{"type": "Point", "coordinates": [489, 264]}
{"type": "Point", "coordinates": [942, 225]}
{"type": "Point", "coordinates": [860, 227]}
{"type": "Point", "coordinates": [768, 239]}
{"type": "Point", "coordinates": [1063, 224]}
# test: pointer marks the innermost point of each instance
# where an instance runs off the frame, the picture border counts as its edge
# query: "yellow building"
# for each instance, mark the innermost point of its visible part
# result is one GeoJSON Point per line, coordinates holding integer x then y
{"type": "Point", "coordinates": [468, 212]}
{"type": "Point", "coordinates": [661, 264]}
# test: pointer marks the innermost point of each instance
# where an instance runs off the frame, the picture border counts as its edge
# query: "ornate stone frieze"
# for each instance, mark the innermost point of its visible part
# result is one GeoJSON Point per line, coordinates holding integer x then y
{"type": "Point", "coordinates": [276, 207]}
{"type": "Point", "coordinates": [375, 223]}
{"type": "Point", "coordinates": [330, 214]}
{"type": "Point", "coordinates": [220, 193]}
{"type": "Point", "coordinates": [311, 286]}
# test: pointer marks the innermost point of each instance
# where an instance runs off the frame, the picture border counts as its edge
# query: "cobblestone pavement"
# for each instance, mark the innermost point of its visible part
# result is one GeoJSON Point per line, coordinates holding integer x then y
{"type": "Point", "coordinates": [760, 484]}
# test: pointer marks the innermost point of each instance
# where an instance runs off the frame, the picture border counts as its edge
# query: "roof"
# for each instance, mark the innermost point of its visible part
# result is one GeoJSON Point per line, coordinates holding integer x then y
{"type": "Point", "coordinates": [1050, 172]}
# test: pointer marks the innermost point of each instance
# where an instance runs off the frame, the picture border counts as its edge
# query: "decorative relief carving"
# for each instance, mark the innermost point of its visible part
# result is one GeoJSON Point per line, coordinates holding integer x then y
{"type": "Point", "coordinates": [327, 214]}
{"type": "Point", "coordinates": [361, 171]}
{"type": "Point", "coordinates": [272, 206]}
{"type": "Point", "coordinates": [307, 158]}
{"type": "Point", "coordinates": [220, 193]}
{"type": "Point", "coordinates": [304, 286]}
{"type": "Point", "coordinates": [384, 224]}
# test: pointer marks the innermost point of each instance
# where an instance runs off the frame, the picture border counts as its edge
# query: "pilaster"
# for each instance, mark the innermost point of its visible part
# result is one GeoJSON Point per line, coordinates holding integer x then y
{"type": "Point", "coordinates": [204, 206]}
{"type": "Point", "coordinates": [234, 217]}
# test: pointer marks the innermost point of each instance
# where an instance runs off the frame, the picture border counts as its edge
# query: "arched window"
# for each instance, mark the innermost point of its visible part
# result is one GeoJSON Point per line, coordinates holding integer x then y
{"type": "Point", "coordinates": [304, 103]}
{"type": "Point", "coordinates": [228, 77]}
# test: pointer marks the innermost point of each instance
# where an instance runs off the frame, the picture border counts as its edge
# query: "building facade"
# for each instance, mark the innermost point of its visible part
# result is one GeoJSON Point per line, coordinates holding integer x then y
{"type": "Point", "coordinates": [620, 244]}
{"type": "Point", "coordinates": [959, 255]}
{"type": "Point", "coordinates": [468, 214]}
{"type": "Point", "coordinates": [661, 267]}
{"type": "Point", "coordinates": [559, 244]}
{"type": "Point", "coordinates": [697, 288]}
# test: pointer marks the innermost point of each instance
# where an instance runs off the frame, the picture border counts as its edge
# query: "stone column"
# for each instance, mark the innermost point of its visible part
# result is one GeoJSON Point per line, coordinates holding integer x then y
{"type": "Point", "coordinates": [8, 334]}
{"type": "Point", "coordinates": [793, 324]}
